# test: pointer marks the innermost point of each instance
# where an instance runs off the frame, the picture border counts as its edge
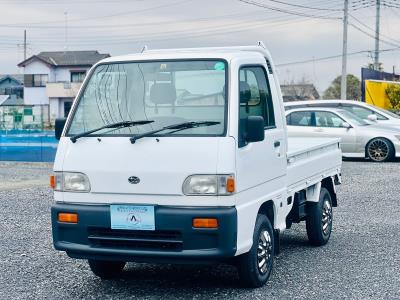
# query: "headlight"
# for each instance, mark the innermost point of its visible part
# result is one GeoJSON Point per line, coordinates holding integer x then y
{"type": "Point", "coordinates": [209, 185]}
{"type": "Point", "coordinates": [71, 182]}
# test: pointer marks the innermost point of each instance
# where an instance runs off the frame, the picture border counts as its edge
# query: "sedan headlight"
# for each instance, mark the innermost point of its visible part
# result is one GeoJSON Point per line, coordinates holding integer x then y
{"type": "Point", "coordinates": [71, 182]}
{"type": "Point", "coordinates": [209, 185]}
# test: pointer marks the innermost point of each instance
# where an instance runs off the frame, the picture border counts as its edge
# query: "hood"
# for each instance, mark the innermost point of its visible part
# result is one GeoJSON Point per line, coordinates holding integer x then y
{"type": "Point", "coordinates": [390, 129]}
{"type": "Point", "coordinates": [160, 164]}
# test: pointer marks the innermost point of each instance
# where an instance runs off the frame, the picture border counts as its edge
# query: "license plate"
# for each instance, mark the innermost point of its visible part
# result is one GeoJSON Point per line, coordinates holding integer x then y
{"type": "Point", "coordinates": [132, 217]}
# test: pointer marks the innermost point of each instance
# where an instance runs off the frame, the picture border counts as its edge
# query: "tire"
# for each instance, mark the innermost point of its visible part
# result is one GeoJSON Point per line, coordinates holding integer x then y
{"type": "Point", "coordinates": [252, 272]}
{"type": "Point", "coordinates": [380, 150]}
{"type": "Point", "coordinates": [106, 269]}
{"type": "Point", "coordinates": [319, 219]}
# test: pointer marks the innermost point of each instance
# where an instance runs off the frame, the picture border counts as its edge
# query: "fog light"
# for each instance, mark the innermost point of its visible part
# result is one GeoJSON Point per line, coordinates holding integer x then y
{"type": "Point", "coordinates": [68, 218]}
{"type": "Point", "coordinates": [205, 223]}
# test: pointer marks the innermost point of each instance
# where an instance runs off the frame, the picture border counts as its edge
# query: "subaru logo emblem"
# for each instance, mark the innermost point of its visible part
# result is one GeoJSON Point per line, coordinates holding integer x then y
{"type": "Point", "coordinates": [134, 180]}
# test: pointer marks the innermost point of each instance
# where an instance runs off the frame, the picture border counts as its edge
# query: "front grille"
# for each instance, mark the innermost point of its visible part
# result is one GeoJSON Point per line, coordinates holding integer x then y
{"type": "Point", "coordinates": [135, 240]}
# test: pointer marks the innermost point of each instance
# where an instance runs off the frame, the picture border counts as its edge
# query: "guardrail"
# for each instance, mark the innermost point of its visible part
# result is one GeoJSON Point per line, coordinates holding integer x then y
{"type": "Point", "coordinates": [23, 145]}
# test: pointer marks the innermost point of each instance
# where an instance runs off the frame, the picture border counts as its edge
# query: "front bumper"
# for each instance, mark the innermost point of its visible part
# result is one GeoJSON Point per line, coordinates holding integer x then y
{"type": "Point", "coordinates": [173, 241]}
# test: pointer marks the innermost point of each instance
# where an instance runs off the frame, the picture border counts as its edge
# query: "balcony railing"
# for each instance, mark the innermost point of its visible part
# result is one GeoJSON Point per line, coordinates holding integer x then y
{"type": "Point", "coordinates": [62, 89]}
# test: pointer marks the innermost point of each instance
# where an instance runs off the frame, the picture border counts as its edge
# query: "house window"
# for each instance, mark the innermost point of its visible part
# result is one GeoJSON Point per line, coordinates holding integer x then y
{"type": "Point", "coordinates": [78, 76]}
{"type": "Point", "coordinates": [35, 80]}
{"type": "Point", "coordinates": [67, 108]}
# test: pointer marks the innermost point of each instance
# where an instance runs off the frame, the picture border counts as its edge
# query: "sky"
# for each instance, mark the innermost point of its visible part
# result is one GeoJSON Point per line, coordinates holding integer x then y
{"type": "Point", "coordinates": [297, 32]}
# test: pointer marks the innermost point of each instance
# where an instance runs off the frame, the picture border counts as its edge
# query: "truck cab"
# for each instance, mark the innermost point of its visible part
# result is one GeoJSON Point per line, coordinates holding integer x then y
{"type": "Point", "coordinates": [182, 156]}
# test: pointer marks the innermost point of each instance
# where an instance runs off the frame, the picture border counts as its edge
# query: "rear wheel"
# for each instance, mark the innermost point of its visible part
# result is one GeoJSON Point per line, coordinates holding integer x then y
{"type": "Point", "coordinates": [256, 265]}
{"type": "Point", "coordinates": [319, 219]}
{"type": "Point", "coordinates": [380, 150]}
{"type": "Point", "coordinates": [106, 269]}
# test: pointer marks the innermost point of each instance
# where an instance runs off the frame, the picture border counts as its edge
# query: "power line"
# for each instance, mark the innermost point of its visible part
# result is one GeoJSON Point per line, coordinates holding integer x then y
{"type": "Point", "coordinates": [301, 14]}
{"type": "Point", "coordinates": [131, 12]}
{"type": "Point", "coordinates": [374, 30]}
{"type": "Point", "coordinates": [333, 57]}
{"type": "Point", "coordinates": [304, 6]}
{"type": "Point", "coordinates": [372, 36]}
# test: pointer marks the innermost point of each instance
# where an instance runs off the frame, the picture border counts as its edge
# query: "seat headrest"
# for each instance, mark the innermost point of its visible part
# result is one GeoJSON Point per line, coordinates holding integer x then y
{"type": "Point", "coordinates": [163, 93]}
{"type": "Point", "coordinates": [244, 92]}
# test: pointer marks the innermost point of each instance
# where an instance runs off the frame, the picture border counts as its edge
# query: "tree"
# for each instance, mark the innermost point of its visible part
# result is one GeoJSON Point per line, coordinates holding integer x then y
{"type": "Point", "coordinates": [353, 88]}
{"type": "Point", "coordinates": [393, 92]}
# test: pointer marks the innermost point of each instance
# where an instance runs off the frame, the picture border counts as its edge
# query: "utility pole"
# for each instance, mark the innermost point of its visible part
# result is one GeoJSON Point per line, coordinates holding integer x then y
{"type": "Point", "coordinates": [343, 84]}
{"type": "Point", "coordinates": [25, 44]}
{"type": "Point", "coordinates": [377, 28]}
{"type": "Point", "coordinates": [66, 30]}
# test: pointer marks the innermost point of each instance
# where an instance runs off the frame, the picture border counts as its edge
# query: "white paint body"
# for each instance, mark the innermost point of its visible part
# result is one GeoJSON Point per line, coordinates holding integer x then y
{"type": "Point", "coordinates": [263, 172]}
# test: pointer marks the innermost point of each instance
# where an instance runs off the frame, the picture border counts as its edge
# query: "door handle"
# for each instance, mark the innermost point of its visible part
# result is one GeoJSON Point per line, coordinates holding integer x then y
{"type": "Point", "coordinates": [277, 144]}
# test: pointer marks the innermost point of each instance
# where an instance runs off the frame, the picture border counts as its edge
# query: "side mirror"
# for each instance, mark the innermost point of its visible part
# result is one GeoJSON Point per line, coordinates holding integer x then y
{"type": "Point", "coordinates": [373, 117]}
{"type": "Point", "coordinates": [255, 129]}
{"type": "Point", "coordinates": [346, 125]}
{"type": "Point", "coordinates": [59, 127]}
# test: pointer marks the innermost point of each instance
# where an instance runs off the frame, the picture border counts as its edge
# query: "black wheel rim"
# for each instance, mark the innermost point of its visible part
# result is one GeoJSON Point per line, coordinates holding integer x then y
{"type": "Point", "coordinates": [378, 150]}
{"type": "Point", "coordinates": [264, 252]}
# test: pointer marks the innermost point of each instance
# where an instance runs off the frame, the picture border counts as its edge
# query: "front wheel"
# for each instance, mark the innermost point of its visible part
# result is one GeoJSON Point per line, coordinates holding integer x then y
{"type": "Point", "coordinates": [380, 150]}
{"type": "Point", "coordinates": [106, 269]}
{"type": "Point", "coordinates": [256, 265]}
{"type": "Point", "coordinates": [319, 219]}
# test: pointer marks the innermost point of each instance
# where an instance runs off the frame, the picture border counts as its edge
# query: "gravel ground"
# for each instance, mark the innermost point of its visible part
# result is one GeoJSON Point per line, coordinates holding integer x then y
{"type": "Point", "coordinates": [361, 261]}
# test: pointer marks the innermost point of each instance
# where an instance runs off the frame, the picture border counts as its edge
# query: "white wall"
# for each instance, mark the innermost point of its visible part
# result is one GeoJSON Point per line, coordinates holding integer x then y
{"type": "Point", "coordinates": [38, 67]}
{"type": "Point", "coordinates": [64, 74]}
{"type": "Point", "coordinates": [37, 95]}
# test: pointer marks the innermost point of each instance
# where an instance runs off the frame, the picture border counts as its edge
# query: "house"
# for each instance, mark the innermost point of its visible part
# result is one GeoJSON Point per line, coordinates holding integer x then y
{"type": "Point", "coordinates": [297, 92]}
{"type": "Point", "coordinates": [54, 78]}
{"type": "Point", "coordinates": [12, 85]}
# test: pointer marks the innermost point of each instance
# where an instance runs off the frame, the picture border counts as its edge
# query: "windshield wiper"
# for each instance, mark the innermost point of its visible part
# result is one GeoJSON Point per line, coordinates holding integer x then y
{"type": "Point", "coordinates": [113, 125]}
{"type": "Point", "coordinates": [175, 127]}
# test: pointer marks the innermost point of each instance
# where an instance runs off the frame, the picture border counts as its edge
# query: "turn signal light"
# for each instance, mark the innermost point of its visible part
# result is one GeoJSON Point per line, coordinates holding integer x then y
{"type": "Point", "coordinates": [68, 218]}
{"type": "Point", "coordinates": [205, 223]}
{"type": "Point", "coordinates": [230, 185]}
{"type": "Point", "coordinates": [52, 181]}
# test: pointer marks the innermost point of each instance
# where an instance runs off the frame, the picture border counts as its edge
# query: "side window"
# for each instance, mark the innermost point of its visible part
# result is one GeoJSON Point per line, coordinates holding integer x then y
{"type": "Point", "coordinates": [255, 98]}
{"type": "Point", "coordinates": [362, 112]}
{"type": "Point", "coordinates": [328, 119]}
{"type": "Point", "coordinates": [299, 118]}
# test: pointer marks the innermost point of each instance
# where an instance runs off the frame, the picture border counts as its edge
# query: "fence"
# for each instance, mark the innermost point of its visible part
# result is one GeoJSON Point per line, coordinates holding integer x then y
{"type": "Point", "coordinates": [24, 117]}
{"type": "Point", "coordinates": [27, 145]}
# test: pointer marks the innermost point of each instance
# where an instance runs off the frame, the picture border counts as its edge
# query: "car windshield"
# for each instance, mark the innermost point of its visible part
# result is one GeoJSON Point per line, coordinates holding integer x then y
{"type": "Point", "coordinates": [354, 118]}
{"type": "Point", "coordinates": [385, 111]}
{"type": "Point", "coordinates": [166, 92]}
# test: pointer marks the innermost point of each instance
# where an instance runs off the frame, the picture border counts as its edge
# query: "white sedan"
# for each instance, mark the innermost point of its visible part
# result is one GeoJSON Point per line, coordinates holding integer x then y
{"type": "Point", "coordinates": [361, 109]}
{"type": "Point", "coordinates": [359, 138]}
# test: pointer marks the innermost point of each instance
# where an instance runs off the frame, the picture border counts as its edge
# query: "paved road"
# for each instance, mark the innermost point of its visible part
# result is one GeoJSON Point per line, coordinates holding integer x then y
{"type": "Point", "coordinates": [361, 261]}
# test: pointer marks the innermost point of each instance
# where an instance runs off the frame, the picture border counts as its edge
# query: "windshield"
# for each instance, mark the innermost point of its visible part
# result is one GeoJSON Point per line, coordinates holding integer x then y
{"type": "Point", "coordinates": [167, 92]}
{"type": "Point", "coordinates": [356, 120]}
{"type": "Point", "coordinates": [388, 112]}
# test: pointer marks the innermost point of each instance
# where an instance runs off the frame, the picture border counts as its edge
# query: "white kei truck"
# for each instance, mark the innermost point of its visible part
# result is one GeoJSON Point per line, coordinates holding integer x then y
{"type": "Point", "coordinates": [182, 156]}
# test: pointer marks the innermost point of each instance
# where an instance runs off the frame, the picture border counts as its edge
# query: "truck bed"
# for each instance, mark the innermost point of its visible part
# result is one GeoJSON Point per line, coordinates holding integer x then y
{"type": "Point", "coordinates": [310, 159]}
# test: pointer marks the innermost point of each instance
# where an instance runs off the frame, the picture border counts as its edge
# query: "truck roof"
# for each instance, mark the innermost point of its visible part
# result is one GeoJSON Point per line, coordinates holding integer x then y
{"type": "Point", "coordinates": [258, 51]}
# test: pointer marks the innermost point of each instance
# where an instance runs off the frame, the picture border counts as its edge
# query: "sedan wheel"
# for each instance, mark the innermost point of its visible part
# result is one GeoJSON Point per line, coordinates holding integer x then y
{"type": "Point", "coordinates": [380, 149]}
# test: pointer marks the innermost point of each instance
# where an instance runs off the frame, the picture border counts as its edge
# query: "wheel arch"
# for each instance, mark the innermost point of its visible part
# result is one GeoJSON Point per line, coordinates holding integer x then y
{"type": "Point", "coordinates": [268, 209]}
{"type": "Point", "coordinates": [329, 184]}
